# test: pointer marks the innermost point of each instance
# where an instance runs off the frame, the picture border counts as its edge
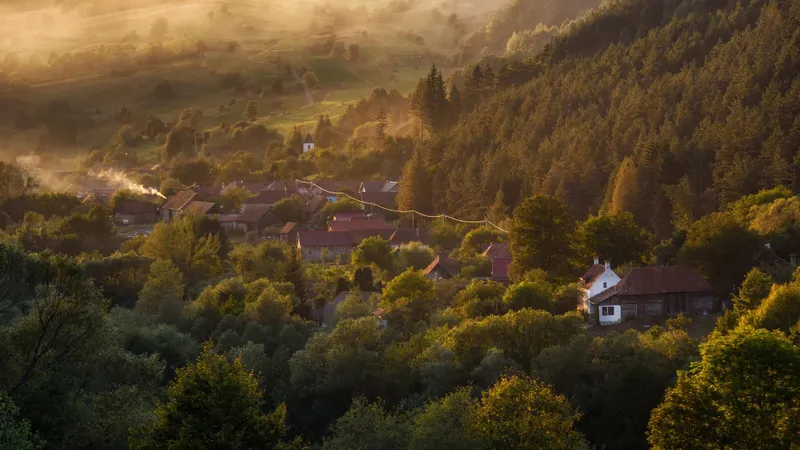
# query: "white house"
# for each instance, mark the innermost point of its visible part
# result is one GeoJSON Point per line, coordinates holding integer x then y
{"type": "Point", "coordinates": [598, 279]}
{"type": "Point", "coordinates": [308, 144]}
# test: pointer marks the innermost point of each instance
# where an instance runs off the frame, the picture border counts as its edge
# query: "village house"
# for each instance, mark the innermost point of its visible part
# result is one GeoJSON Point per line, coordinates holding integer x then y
{"type": "Point", "coordinates": [253, 187]}
{"type": "Point", "coordinates": [334, 246]}
{"type": "Point", "coordinates": [180, 203]}
{"type": "Point", "coordinates": [135, 212]}
{"type": "Point", "coordinates": [655, 292]}
{"type": "Point", "coordinates": [324, 246]}
{"type": "Point", "coordinates": [363, 225]}
{"type": "Point", "coordinates": [500, 268]}
{"type": "Point", "coordinates": [288, 234]}
{"type": "Point", "coordinates": [596, 280]}
{"type": "Point", "coordinates": [252, 218]}
{"type": "Point", "coordinates": [443, 267]}
{"type": "Point", "coordinates": [267, 198]}
{"type": "Point", "coordinates": [379, 186]}
{"type": "Point", "coordinates": [377, 201]}
{"type": "Point", "coordinates": [405, 236]}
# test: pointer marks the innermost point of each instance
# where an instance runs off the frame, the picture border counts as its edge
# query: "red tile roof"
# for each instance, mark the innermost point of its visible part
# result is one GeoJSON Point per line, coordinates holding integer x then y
{"type": "Point", "coordinates": [324, 238]}
{"type": "Point", "coordinates": [349, 215]}
{"type": "Point", "coordinates": [352, 225]}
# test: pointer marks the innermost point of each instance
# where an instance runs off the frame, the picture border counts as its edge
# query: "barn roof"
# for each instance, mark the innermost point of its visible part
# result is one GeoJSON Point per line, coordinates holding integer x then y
{"type": "Point", "coordinates": [658, 281]}
{"type": "Point", "coordinates": [181, 199]}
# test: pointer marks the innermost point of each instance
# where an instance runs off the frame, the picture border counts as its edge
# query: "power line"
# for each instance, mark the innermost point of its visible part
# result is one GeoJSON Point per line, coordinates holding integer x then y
{"type": "Point", "coordinates": [400, 211]}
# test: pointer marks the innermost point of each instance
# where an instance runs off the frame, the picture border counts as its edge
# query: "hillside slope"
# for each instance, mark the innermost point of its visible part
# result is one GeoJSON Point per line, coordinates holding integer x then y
{"type": "Point", "coordinates": [667, 109]}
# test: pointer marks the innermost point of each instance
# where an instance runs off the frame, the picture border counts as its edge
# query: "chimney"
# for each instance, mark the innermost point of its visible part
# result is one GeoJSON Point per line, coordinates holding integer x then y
{"type": "Point", "coordinates": [596, 260]}
{"type": "Point", "coordinates": [793, 259]}
{"type": "Point", "coordinates": [608, 264]}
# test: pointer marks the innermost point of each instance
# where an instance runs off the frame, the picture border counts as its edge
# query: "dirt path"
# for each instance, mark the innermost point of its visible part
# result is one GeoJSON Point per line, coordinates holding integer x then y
{"type": "Point", "coordinates": [305, 86]}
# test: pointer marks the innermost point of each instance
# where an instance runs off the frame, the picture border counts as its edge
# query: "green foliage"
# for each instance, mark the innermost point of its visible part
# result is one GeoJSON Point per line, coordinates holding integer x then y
{"type": "Point", "coordinates": [446, 424]}
{"type": "Point", "coordinates": [376, 251]}
{"type": "Point", "coordinates": [541, 237]}
{"type": "Point", "coordinates": [366, 426]}
{"type": "Point", "coordinates": [15, 433]}
{"type": "Point", "coordinates": [341, 205]}
{"type": "Point", "coordinates": [213, 404]}
{"type": "Point", "coordinates": [616, 379]}
{"type": "Point", "coordinates": [476, 240]}
{"type": "Point", "coordinates": [523, 413]}
{"type": "Point", "coordinates": [520, 335]}
{"type": "Point", "coordinates": [780, 310]}
{"type": "Point", "coordinates": [722, 249]}
{"type": "Point", "coordinates": [183, 242]}
{"type": "Point", "coordinates": [481, 298]}
{"type": "Point", "coordinates": [289, 210]}
{"type": "Point", "coordinates": [754, 289]}
{"type": "Point", "coordinates": [614, 237]}
{"type": "Point", "coordinates": [744, 393]}
{"type": "Point", "coordinates": [194, 171]}
{"type": "Point", "coordinates": [162, 293]}
{"type": "Point", "coordinates": [527, 294]}
{"type": "Point", "coordinates": [408, 298]}
{"type": "Point", "coordinates": [310, 79]}
{"type": "Point", "coordinates": [414, 255]}
{"type": "Point", "coordinates": [268, 259]}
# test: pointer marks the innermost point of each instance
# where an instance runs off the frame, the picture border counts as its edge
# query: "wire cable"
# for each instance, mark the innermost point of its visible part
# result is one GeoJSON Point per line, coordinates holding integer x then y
{"type": "Point", "coordinates": [402, 211]}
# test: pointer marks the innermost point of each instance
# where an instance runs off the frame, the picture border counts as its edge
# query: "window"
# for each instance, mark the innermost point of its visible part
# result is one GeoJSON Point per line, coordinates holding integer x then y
{"type": "Point", "coordinates": [605, 284]}
{"type": "Point", "coordinates": [607, 310]}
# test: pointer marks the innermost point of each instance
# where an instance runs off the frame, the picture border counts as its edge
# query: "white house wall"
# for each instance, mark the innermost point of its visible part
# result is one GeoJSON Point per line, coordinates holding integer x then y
{"type": "Point", "coordinates": [608, 277]}
{"type": "Point", "coordinates": [611, 319]}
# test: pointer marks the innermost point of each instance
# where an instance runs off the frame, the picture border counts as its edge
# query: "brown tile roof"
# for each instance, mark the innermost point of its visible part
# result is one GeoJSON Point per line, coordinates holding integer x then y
{"type": "Point", "coordinates": [497, 250]}
{"type": "Point", "coordinates": [385, 199]}
{"type": "Point", "coordinates": [267, 198]}
{"type": "Point", "coordinates": [195, 207]}
{"type": "Point", "coordinates": [406, 235]}
{"type": "Point", "coordinates": [288, 228]}
{"type": "Point", "coordinates": [134, 207]}
{"type": "Point", "coordinates": [352, 225]}
{"type": "Point", "coordinates": [181, 199]}
{"type": "Point", "coordinates": [254, 213]}
{"type": "Point", "coordinates": [324, 238]}
{"type": "Point", "coordinates": [443, 261]}
{"type": "Point", "coordinates": [657, 281]}
{"type": "Point", "coordinates": [372, 186]}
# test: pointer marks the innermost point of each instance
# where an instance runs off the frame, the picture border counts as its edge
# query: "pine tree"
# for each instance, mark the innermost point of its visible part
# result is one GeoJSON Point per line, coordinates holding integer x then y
{"type": "Point", "coordinates": [415, 186]}
{"type": "Point", "coordinates": [380, 128]}
{"type": "Point", "coordinates": [251, 111]}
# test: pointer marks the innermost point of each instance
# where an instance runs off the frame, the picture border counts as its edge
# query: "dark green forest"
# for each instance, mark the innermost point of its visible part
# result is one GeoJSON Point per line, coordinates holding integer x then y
{"type": "Point", "coordinates": [665, 109]}
{"type": "Point", "coordinates": [647, 132]}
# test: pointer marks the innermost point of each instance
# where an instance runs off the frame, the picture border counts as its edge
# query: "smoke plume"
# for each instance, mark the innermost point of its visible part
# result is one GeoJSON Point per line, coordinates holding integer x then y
{"type": "Point", "coordinates": [120, 180]}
